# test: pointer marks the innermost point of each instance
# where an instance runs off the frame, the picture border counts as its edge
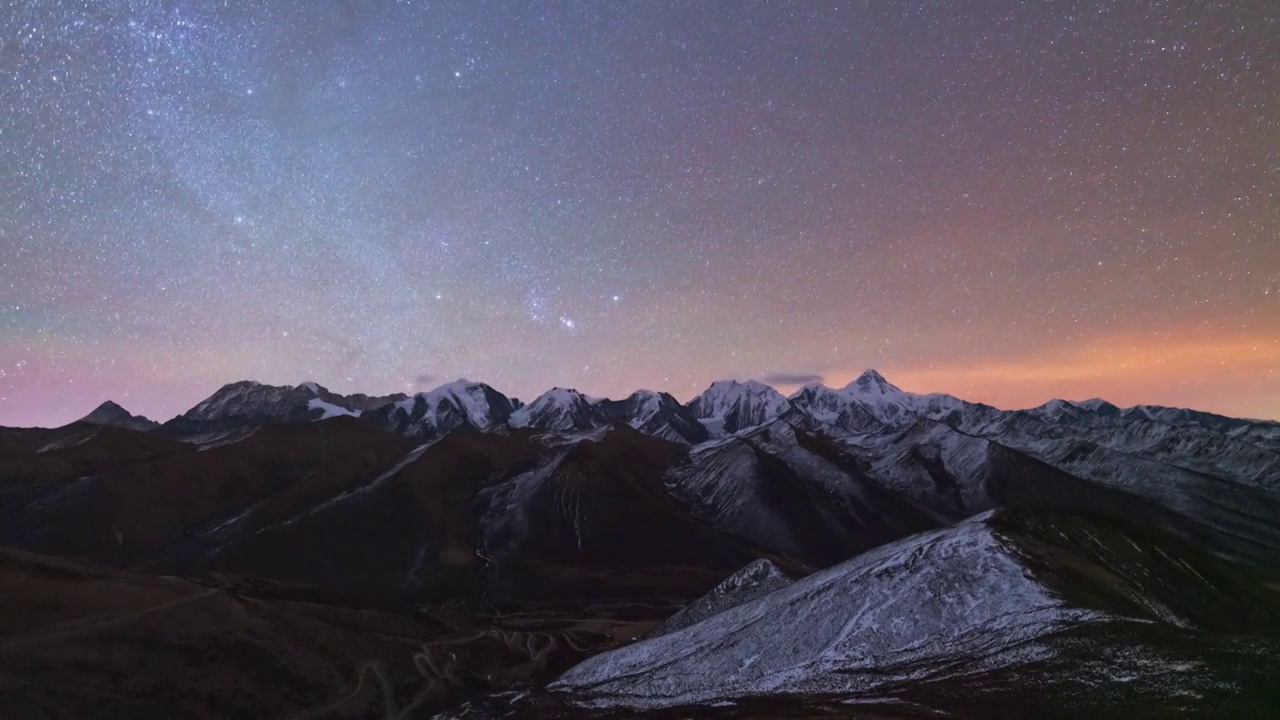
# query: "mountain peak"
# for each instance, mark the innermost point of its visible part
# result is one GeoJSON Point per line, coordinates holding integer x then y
{"type": "Point", "coordinates": [731, 405]}
{"type": "Point", "coordinates": [563, 394]}
{"type": "Point", "coordinates": [459, 385]}
{"type": "Point", "coordinates": [109, 413]}
{"type": "Point", "coordinates": [108, 406]}
{"type": "Point", "coordinates": [811, 389]}
{"type": "Point", "coordinates": [560, 409]}
{"type": "Point", "coordinates": [873, 382]}
{"type": "Point", "coordinates": [738, 386]}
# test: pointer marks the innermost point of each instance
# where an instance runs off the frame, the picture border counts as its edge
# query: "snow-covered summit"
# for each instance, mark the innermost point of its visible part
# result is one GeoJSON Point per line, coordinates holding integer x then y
{"type": "Point", "coordinates": [884, 400]}
{"type": "Point", "coordinates": [1090, 412]}
{"type": "Point", "coordinates": [560, 409]}
{"type": "Point", "coordinates": [657, 414]}
{"type": "Point", "coordinates": [445, 408]}
{"type": "Point", "coordinates": [870, 400]}
{"type": "Point", "coordinates": [729, 406]}
{"type": "Point", "coordinates": [871, 382]}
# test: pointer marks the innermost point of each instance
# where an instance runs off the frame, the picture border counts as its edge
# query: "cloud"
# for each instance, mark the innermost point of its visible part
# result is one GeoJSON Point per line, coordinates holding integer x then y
{"type": "Point", "coordinates": [782, 378]}
{"type": "Point", "coordinates": [424, 380]}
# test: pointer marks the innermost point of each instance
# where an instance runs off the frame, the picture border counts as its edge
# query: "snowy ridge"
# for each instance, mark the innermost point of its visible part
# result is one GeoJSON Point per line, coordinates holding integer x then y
{"type": "Point", "coordinates": [953, 592]}
{"type": "Point", "coordinates": [755, 580]}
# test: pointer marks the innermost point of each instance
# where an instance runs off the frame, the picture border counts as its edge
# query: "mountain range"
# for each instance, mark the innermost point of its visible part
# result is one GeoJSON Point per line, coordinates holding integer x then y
{"type": "Point", "coordinates": [744, 554]}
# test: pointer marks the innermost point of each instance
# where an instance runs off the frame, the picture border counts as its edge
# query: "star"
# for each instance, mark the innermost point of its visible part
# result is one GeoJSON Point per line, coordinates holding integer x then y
{"type": "Point", "coordinates": [187, 181]}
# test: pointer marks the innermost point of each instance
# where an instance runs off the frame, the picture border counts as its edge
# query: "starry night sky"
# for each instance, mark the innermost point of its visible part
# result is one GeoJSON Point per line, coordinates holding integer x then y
{"type": "Point", "coordinates": [1009, 201]}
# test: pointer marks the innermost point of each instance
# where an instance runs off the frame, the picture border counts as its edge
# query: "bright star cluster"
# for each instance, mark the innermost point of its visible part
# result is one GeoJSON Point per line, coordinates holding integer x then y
{"type": "Point", "coordinates": [1004, 200]}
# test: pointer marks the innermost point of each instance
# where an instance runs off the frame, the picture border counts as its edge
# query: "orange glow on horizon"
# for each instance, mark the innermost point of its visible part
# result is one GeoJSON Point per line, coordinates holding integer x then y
{"type": "Point", "coordinates": [1238, 376]}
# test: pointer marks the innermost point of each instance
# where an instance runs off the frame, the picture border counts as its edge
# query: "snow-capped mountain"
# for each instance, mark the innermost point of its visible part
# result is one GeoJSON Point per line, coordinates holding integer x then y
{"type": "Point", "coordinates": [730, 406]}
{"type": "Point", "coordinates": [868, 406]}
{"type": "Point", "coordinates": [255, 403]}
{"type": "Point", "coordinates": [561, 409]}
{"type": "Point", "coordinates": [884, 400]}
{"type": "Point", "coordinates": [657, 414]}
{"type": "Point", "coordinates": [1095, 412]}
{"type": "Point", "coordinates": [450, 406]}
{"type": "Point", "coordinates": [872, 404]}
{"type": "Point", "coordinates": [933, 452]}
{"type": "Point", "coordinates": [109, 413]}
{"type": "Point", "coordinates": [652, 413]}
{"type": "Point", "coordinates": [834, 410]}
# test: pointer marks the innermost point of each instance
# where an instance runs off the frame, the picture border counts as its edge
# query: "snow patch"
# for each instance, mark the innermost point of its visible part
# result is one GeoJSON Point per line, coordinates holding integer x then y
{"type": "Point", "coordinates": [330, 410]}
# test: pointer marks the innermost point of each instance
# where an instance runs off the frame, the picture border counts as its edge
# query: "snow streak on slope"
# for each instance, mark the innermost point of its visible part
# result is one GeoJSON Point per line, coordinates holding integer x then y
{"type": "Point", "coordinates": [329, 410]}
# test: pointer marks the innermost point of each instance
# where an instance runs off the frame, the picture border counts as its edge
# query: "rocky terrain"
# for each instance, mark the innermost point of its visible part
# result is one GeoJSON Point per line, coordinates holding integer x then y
{"type": "Point", "coordinates": [293, 552]}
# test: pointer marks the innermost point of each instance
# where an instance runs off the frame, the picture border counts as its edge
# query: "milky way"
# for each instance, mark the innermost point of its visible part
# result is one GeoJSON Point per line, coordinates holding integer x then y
{"type": "Point", "coordinates": [1008, 201]}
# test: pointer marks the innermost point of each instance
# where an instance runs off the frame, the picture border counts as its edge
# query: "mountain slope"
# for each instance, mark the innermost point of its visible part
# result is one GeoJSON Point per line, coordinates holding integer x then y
{"type": "Point", "coordinates": [410, 532]}
{"type": "Point", "coordinates": [1002, 595]}
{"type": "Point", "coordinates": [797, 494]}
{"type": "Point", "coordinates": [595, 519]}
{"type": "Point", "coordinates": [128, 498]}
